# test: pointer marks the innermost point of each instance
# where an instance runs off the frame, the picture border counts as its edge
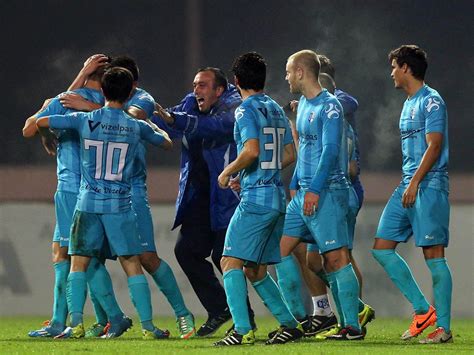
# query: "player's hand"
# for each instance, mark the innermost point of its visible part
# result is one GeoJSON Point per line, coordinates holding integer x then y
{"type": "Point", "coordinates": [50, 143]}
{"type": "Point", "coordinates": [93, 63]}
{"type": "Point", "coordinates": [294, 105]}
{"type": "Point", "coordinates": [234, 184]}
{"type": "Point", "coordinates": [223, 180]}
{"type": "Point", "coordinates": [311, 201]}
{"type": "Point", "coordinates": [163, 114]}
{"type": "Point", "coordinates": [77, 102]}
{"type": "Point", "coordinates": [409, 196]}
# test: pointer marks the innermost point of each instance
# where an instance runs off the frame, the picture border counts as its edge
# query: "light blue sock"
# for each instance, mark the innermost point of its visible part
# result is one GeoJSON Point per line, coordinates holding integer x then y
{"type": "Point", "coordinates": [141, 299]}
{"type": "Point", "coordinates": [235, 288]}
{"type": "Point", "coordinates": [268, 291]}
{"type": "Point", "coordinates": [442, 289]}
{"type": "Point", "coordinates": [289, 280]}
{"type": "Point", "coordinates": [166, 282]}
{"type": "Point", "coordinates": [102, 293]}
{"type": "Point", "coordinates": [335, 295]}
{"type": "Point", "coordinates": [398, 270]}
{"type": "Point", "coordinates": [348, 293]}
{"type": "Point", "coordinates": [61, 272]}
{"type": "Point", "coordinates": [323, 276]}
{"type": "Point", "coordinates": [76, 296]}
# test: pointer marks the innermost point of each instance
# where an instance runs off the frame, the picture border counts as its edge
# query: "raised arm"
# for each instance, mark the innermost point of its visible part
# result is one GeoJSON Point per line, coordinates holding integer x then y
{"type": "Point", "coordinates": [90, 65]}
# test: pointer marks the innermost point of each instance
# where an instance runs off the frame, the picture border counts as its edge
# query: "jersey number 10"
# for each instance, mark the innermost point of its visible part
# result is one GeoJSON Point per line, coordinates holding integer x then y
{"type": "Point", "coordinates": [110, 153]}
{"type": "Point", "coordinates": [275, 147]}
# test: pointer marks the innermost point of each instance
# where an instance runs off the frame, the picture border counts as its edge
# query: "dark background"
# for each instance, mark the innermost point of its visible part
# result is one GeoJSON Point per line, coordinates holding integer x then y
{"type": "Point", "coordinates": [44, 44]}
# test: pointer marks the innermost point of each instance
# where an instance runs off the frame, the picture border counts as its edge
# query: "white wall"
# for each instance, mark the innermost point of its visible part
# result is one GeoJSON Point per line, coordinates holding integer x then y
{"type": "Point", "coordinates": [26, 274]}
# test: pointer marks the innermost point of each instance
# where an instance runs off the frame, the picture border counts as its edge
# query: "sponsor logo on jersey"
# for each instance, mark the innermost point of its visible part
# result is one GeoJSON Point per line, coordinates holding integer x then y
{"type": "Point", "coordinates": [116, 128]}
{"type": "Point", "coordinates": [432, 104]}
{"type": "Point", "coordinates": [332, 111]}
{"type": "Point", "coordinates": [93, 125]}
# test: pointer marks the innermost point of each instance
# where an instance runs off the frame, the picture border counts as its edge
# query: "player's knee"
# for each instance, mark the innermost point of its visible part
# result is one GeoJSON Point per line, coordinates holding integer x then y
{"type": "Point", "coordinates": [59, 255]}
{"type": "Point", "coordinates": [150, 261]}
{"type": "Point", "coordinates": [336, 260]}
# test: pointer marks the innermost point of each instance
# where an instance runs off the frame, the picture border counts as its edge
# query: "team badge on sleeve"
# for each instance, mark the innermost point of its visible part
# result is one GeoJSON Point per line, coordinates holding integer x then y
{"type": "Point", "coordinates": [332, 111]}
{"type": "Point", "coordinates": [239, 113]}
{"type": "Point", "coordinates": [432, 104]}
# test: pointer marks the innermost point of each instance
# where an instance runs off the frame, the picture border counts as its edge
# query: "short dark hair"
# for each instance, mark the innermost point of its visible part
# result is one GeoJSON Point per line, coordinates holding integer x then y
{"type": "Point", "coordinates": [251, 71]}
{"type": "Point", "coordinates": [327, 82]}
{"type": "Point", "coordinates": [117, 83]}
{"type": "Point", "coordinates": [413, 56]}
{"type": "Point", "coordinates": [220, 79]}
{"type": "Point", "coordinates": [127, 63]}
{"type": "Point", "coordinates": [326, 66]}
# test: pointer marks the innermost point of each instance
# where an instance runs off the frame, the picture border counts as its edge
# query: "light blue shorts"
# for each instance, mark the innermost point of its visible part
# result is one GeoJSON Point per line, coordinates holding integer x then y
{"type": "Point", "coordinates": [327, 227]}
{"type": "Point", "coordinates": [145, 222]}
{"type": "Point", "coordinates": [64, 205]}
{"type": "Point", "coordinates": [254, 234]}
{"type": "Point", "coordinates": [90, 231]}
{"type": "Point", "coordinates": [352, 212]}
{"type": "Point", "coordinates": [427, 220]}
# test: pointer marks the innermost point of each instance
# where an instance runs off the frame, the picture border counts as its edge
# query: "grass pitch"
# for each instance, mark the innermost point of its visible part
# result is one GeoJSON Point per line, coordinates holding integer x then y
{"type": "Point", "coordinates": [383, 337]}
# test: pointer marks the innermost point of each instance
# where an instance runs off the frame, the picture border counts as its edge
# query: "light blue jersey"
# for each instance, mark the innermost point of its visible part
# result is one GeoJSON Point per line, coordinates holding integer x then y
{"type": "Point", "coordinates": [259, 117]}
{"type": "Point", "coordinates": [109, 140]}
{"type": "Point", "coordinates": [319, 122]}
{"type": "Point", "coordinates": [423, 113]}
{"type": "Point", "coordinates": [68, 164]}
{"type": "Point", "coordinates": [143, 101]}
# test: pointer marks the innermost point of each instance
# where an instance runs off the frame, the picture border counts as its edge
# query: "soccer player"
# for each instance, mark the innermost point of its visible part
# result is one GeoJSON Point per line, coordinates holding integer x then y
{"type": "Point", "coordinates": [320, 205]}
{"type": "Point", "coordinates": [349, 164]}
{"type": "Point", "coordinates": [204, 122]}
{"type": "Point", "coordinates": [265, 146]}
{"type": "Point", "coordinates": [109, 139]}
{"type": "Point", "coordinates": [141, 106]}
{"type": "Point", "coordinates": [419, 206]}
{"type": "Point", "coordinates": [69, 176]}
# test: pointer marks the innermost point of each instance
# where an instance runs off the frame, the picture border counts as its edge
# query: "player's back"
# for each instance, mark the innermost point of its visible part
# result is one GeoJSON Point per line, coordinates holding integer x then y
{"type": "Point", "coordinates": [261, 118]}
{"type": "Point", "coordinates": [68, 161]}
{"type": "Point", "coordinates": [109, 142]}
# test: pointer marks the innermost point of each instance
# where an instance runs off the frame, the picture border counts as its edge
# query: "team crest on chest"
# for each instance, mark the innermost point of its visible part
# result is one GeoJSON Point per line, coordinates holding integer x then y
{"type": "Point", "coordinates": [311, 117]}
{"type": "Point", "coordinates": [413, 113]}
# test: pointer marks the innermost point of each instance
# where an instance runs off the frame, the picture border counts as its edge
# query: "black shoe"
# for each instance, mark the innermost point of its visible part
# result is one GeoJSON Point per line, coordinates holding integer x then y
{"type": "Point", "coordinates": [234, 338]}
{"type": "Point", "coordinates": [306, 326]}
{"type": "Point", "coordinates": [320, 324]}
{"type": "Point", "coordinates": [347, 333]}
{"type": "Point", "coordinates": [213, 323]}
{"type": "Point", "coordinates": [284, 335]}
{"type": "Point", "coordinates": [252, 324]}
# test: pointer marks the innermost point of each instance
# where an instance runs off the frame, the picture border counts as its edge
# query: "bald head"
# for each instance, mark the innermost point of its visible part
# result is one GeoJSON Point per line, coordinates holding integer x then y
{"type": "Point", "coordinates": [327, 82]}
{"type": "Point", "coordinates": [307, 60]}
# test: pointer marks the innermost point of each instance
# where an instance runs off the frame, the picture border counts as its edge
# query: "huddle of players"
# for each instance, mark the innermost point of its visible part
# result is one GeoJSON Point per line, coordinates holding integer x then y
{"type": "Point", "coordinates": [322, 210]}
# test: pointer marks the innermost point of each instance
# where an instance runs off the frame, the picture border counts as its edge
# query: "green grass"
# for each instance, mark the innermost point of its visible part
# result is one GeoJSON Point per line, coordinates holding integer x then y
{"type": "Point", "coordinates": [383, 337]}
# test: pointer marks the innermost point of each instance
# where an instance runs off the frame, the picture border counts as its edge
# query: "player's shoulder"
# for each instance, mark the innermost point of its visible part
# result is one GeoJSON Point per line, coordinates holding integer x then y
{"type": "Point", "coordinates": [430, 100]}
{"type": "Point", "coordinates": [332, 108]}
{"type": "Point", "coordinates": [141, 95]}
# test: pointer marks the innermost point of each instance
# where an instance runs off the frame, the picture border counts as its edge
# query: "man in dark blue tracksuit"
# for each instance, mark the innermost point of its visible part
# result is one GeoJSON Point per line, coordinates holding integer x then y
{"type": "Point", "coordinates": [204, 120]}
